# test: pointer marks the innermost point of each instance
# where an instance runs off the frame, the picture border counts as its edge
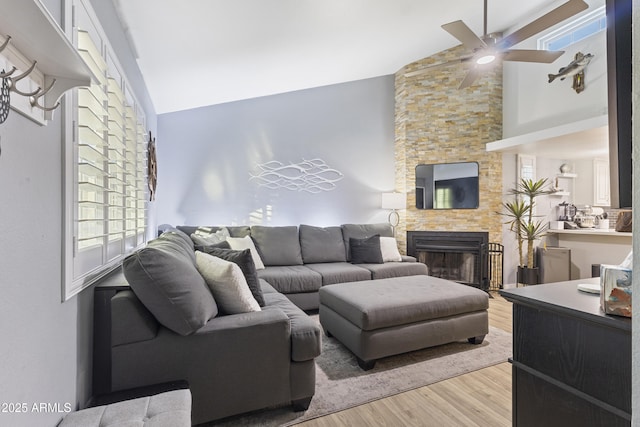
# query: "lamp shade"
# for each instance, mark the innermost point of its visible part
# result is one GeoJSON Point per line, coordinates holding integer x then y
{"type": "Point", "coordinates": [394, 201]}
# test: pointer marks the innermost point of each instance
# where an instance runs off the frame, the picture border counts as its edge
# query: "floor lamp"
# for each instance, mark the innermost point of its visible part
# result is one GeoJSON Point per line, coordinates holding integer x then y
{"type": "Point", "coordinates": [394, 201]}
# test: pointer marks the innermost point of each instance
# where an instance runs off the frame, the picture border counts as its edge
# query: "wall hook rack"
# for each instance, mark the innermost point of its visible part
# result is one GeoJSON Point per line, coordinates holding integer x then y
{"type": "Point", "coordinates": [13, 80]}
{"type": "Point", "coordinates": [5, 44]}
{"type": "Point", "coordinates": [37, 36]}
{"type": "Point", "coordinates": [8, 73]}
{"type": "Point", "coordinates": [34, 99]}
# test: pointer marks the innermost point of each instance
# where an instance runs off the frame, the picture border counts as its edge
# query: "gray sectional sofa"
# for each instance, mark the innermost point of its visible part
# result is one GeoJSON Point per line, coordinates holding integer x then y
{"type": "Point", "coordinates": [300, 260]}
{"type": "Point", "coordinates": [167, 325]}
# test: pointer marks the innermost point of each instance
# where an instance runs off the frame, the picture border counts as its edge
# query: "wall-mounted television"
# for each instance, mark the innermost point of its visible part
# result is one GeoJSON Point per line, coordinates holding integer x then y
{"type": "Point", "coordinates": [447, 186]}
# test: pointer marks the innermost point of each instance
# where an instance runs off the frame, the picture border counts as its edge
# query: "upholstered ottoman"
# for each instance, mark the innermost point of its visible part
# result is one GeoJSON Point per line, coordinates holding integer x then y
{"type": "Point", "coordinates": [379, 318]}
{"type": "Point", "coordinates": [164, 409]}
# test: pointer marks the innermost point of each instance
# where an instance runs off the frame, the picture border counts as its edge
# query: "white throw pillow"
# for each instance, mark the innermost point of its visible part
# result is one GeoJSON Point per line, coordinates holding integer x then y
{"type": "Point", "coordinates": [204, 236]}
{"type": "Point", "coordinates": [227, 284]}
{"type": "Point", "coordinates": [389, 249]}
{"type": "Point", "coordinates": [241, 243]}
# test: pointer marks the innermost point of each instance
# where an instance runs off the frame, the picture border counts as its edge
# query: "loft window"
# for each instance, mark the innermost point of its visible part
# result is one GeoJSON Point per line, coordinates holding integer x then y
{"type": "Point", "coordinates": [579, 29]}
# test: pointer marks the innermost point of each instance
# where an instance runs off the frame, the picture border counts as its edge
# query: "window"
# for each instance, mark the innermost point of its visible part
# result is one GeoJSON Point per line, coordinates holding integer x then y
{"type": "Point", "coordinates": [106, 212]}
{"type": "Point", "coordinates": [581, 28]}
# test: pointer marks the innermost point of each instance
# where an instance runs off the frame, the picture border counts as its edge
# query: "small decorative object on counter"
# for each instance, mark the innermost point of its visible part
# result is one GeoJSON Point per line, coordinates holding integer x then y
{"type": "Point", "coordinates": [625, 221]}
{"type": "Point", "coordinates": [616, 295]}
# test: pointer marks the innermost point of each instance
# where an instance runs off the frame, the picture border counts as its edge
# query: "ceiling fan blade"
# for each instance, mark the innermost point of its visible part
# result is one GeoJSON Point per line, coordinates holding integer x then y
{"type": "Point", "coordinates": [552, 18]}
{"type": "Point", "coordinates": [526, 55]}
{"type": "Point", "coordinates": [438, 65]}
{"type": "Point", "coordinates": [471, 77]}
{"type": "Point", "coordinates": [459, 30]}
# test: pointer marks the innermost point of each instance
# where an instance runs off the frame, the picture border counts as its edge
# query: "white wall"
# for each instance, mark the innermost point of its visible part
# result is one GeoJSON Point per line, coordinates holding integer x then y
{"type": "Point", "coordinates": [210, 153]}
{"type": "Point", "coordinates": [45, 355]}
{"type": "Point", "coordinates": [530, 103]}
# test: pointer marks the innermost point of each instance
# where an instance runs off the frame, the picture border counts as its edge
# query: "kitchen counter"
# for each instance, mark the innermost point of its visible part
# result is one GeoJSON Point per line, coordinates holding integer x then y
{"type": "Point", "coordinates": [610, 232]}
{"type": "Point", "coordinates": [591, 246]}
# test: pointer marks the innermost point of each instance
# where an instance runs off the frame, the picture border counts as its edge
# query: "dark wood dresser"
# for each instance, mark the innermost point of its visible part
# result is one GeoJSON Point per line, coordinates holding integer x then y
{"type": "Point", "coordinates": [571, 362]}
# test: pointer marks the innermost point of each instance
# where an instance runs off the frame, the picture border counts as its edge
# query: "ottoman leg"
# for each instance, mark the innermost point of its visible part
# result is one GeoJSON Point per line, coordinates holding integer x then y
{"type": "Point", "coordinates": [476, 340]}
{"type": "Point", "coordinates": [366, 365]}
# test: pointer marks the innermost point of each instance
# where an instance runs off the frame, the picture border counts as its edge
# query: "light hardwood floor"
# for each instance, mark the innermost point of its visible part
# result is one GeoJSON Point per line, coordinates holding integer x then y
{"type": "Point", "coordinates": [480, 398]}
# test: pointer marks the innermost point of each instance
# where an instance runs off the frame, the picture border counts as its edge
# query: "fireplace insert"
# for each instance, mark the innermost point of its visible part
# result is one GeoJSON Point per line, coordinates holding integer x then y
{"type": "Point", "coordinates": [460, 256]}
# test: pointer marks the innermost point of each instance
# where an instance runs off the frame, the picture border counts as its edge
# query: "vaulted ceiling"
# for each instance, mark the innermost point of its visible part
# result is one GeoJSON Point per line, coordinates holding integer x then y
{"type": "Point", "coordinates": [203, 52]}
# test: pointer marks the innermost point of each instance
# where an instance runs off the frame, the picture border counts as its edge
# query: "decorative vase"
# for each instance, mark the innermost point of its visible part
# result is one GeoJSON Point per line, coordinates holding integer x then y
{"type": "Point", "coordinates": [528, 276]}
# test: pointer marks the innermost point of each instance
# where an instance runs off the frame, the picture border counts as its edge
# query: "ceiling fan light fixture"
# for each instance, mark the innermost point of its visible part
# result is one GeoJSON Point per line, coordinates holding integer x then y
{"type": "Point", "coordinates": [486, 59]}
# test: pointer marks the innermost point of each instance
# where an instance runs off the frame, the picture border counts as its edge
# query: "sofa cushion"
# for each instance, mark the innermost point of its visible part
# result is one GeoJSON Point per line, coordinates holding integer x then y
{"type": "Point", "coordinates": [339, 272]}
{"type": "Point", "coordinates": [306, 334]}
{"type": "Point", "coordinates": [291, 278]}
{"type": "Point", "coordinates": [241, 243]}
{"type": "Point", "coordinates": [227, 284]}
{"type": "Point", "coordinates": [322, 244]}
{"type": "Point", "coordinates": [395, 269]}
{"type": "Point", "coordinates": [366, 250]}
{"type": "Point", "coordinates": [244, 260]}
{"type": "Point", "coordinates": [361, 231]}
{"type": "Point", "coordinates": [182, 241]}
{"type": "Point", "coordinates": [164, 277]}
{"type": "Point", "coordinates": [277, 245]}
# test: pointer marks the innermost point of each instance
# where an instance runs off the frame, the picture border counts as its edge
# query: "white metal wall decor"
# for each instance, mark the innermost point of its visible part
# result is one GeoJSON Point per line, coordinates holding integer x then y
{"type": "Point", "coordinates": [311, 176]}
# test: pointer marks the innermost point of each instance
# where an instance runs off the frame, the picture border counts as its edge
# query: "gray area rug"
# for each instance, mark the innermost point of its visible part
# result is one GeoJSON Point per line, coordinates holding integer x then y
{"type": "Point", "coordinates": [341, 384]}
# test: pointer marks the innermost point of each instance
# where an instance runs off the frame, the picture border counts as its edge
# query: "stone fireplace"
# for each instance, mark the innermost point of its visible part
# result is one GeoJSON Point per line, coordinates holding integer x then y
{"type": "Point", "coordinates": [459, 256]}
{"type": "Point", "coordinates": [435, 122]}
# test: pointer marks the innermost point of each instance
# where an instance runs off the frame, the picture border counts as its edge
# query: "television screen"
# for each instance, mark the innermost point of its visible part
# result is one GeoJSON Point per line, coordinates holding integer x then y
{"type": "Point", "coordinates": [447, 186]}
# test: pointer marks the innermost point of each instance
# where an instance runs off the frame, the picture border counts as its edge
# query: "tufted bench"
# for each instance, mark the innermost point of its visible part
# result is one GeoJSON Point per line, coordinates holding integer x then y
{"type": "Point", "coordinates": [379, 318]}
{"type": "Point", "coordinates": [165, 409]}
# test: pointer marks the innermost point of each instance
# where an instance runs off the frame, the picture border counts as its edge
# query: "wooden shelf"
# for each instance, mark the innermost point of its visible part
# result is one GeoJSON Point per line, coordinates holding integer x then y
{"type": "Point", "coordinates": [36, 36]}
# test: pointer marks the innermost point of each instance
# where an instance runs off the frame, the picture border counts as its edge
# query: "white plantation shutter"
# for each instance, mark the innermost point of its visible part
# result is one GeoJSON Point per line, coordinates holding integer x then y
{"type": "Point", "coordinates": [108, 213]}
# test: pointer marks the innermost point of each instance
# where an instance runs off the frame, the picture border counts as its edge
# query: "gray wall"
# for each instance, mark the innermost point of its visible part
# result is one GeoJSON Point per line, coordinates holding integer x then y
{"type": "Point", "coordinates": [45, 355]}
{"type": "Point", "coordinates": [206, 157]}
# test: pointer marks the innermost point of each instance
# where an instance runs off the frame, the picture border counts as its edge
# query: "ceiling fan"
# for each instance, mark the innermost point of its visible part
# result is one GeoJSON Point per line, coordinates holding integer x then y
{"type": "Point", "coordinates": [489, 47]}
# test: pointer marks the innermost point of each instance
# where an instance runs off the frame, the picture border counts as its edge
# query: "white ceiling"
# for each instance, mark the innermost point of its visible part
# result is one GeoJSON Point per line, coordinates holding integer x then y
{"type": "Point", "coordinates": [203, 52]}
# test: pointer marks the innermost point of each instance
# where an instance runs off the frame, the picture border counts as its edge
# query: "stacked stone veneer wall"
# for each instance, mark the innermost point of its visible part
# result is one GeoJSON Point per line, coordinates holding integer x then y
{"type": "Point", "coordinates": [437, 123]}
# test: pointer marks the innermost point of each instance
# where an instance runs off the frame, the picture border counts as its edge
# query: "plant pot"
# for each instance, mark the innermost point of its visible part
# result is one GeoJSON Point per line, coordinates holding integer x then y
{"type": "Point", "coordinates": [528, 276]}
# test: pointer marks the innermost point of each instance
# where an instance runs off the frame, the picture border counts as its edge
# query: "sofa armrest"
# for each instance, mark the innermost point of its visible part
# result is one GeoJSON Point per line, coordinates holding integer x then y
{"type": "Point", "coordinates": [231, 358]}
{"type": "Point", "coordinates": [267, 316]}
{"type": "Point", "coordinates": [408, 258]}
{"type": "Point", "coordinates": [134, 322]}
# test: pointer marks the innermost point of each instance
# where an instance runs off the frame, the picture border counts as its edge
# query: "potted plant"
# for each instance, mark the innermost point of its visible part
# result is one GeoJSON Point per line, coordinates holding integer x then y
{"type": "Point", "coordinates": [525, 225]}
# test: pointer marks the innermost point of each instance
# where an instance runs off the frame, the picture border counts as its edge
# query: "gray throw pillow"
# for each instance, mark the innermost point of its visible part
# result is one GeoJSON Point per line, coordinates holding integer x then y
{"type": "Point", "coordinates": [322, 244]}
{"type": "Point", "coordinates": [277, 245]}
{"type": "Point", "coordinates": [361, 231]}
{"type": "Point", "coordinates": [366, 251]}
{"type": "Point", "coordinates": [244, 260]}
{"type": "Point", "coordinates": [235, 231]}
{"type": "Point", "coordinates": [164, 277]}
